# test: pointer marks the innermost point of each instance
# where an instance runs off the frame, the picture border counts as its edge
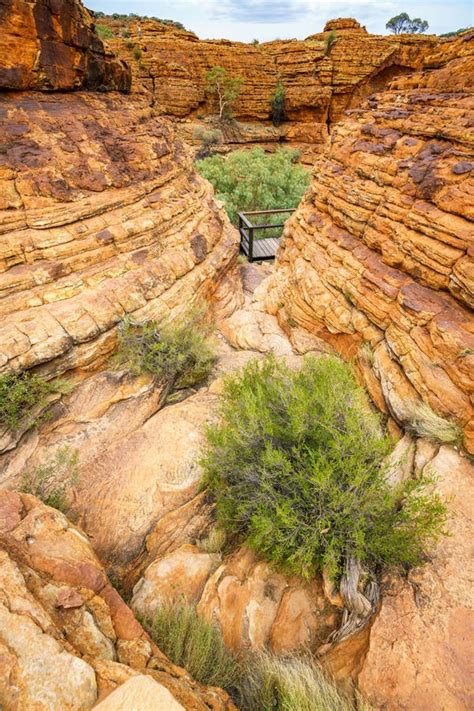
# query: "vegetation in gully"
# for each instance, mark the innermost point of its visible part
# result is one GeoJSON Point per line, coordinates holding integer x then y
{"type": "Point", "coordinates": [255, 180]}
{"type": "Point", "coordinates": [298, 466]}
{"type": "Point", "coordinates": [256, 681]}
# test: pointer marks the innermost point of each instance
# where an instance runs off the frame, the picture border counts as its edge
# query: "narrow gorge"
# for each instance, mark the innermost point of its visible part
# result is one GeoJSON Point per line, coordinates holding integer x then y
{"type": "Point", "coordinates": [106, 226]}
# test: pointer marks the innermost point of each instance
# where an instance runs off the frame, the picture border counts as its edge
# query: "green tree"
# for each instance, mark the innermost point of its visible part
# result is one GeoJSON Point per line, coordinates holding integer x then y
{"type": "Point", "coordinates": [278, 103]}
{"type": "Point", "coordinates": [403, 24]}
{"type": "Point", "coordinates": [330, 39]}
{"type": "Point", "coordinates": [224, 88]}
{"type": "Point", "coordinates": [255, 180]}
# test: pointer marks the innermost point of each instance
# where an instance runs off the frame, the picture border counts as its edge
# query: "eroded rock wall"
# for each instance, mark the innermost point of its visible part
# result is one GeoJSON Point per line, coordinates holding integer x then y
{"type": "Point", "coordinates": [320, 82]}
{"type": "Point", "coordinates": [377, 260]}
{"type": "Point", "coordinates": [50, 45]}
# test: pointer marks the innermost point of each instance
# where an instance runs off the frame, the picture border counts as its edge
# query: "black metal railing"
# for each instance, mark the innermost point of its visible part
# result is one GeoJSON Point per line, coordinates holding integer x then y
{"type": "Point", "coordinates": [260, 241]}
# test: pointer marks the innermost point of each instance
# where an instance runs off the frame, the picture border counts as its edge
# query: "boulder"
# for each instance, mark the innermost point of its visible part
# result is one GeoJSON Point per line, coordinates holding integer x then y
{"type": "Point", "coordinates": [140, 692]}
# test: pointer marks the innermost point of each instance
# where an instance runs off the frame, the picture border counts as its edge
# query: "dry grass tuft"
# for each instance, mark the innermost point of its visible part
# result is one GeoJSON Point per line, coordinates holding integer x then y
{"type": "Point", "coordinates": [214, 542]}
{"type": "Point", "coordinates": [426, 423]}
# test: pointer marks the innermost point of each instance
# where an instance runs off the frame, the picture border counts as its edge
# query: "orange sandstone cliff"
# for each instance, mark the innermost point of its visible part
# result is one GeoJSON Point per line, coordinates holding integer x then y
{"type": "Point", "coordinates": [102, 215]}
{"type": "Point", "coordinates": [320, 82]}
{"type": "Point", "coordinates": [50, 45]}
{"type": "Point", "coordinates": [377, 262]}
{"type": "Point", "coordinates": [378, 258]}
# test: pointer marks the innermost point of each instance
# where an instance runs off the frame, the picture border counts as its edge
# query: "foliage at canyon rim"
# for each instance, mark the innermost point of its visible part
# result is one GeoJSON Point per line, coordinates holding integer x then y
{"type": "Point", "coordinates": [256, 681]}
{"type": "Point", "coordinates": [329, 41]}
{"type": "Point", "coordinates": [255, 180]}
{"type": "Point", "coordinates": [403, 24]}
{"type": "Point", "coordinates": [176, 353]}
{"type": "Point", "coordinates": [298, 466]}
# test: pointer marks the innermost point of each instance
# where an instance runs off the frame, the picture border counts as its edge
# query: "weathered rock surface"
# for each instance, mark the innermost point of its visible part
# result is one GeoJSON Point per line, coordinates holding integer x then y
{"type": "Point", "coordinates": [48, 45]}
{"type": "Point", "coordinates": [258, 608]}
{"type": "Point", "coordinates": [420, 649]}
{"type": "Point", "coordinates": [320, 84]}
{"type": "Point", "coordinates": [66, 636]}
{"type": "Point", "coordinates": [140, 692]}
{"type": "Point", "coordinates": [136, 463]}
{"type": "Point", "coordinates": [378, 258]}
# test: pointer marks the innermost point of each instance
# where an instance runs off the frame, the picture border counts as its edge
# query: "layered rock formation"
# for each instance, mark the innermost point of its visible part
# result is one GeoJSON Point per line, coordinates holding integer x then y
{"type": "Point", "coordinates": [380, 251]}
{"type": "Point", "coordinates": [67, 639]}
{"type": "Point", "coordinates": [101, 215]}
{"type": "Point", "coordinates": [48, 45]}
{"type": "Point", "coordinates": [320, 82]}
{"type": "Point", "coordinates": [419, 649]}
{"type": "Point", "coordinates": [377, 262]}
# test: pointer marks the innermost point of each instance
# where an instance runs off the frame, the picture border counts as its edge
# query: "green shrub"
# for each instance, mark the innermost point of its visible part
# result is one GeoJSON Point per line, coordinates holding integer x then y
{"type": "Point", "coordinates": [291, 684]}
{"type": "Point", "coordinates": [214, 542]}
{"type": "Point", "coordinates": [52, 481]}
{"type": "Point", "coordinates": [176, 353]}
{"type": "Point", "coordinates": [278, 104]}
{"type": "Point", "coordinates": [195, 644]}
{"type": "Point", "coordinates": [297, 465]}
{"type": "Point", "coordinates": [20, 393]}
{"type": "Point", "coordinates": [209, 139]}
{"type": "Point", "coordinates": [104, 32]}
{"type": "Point", "coordinates": [329, 41]}
{"type": "Point", "coordinates": [255, 180]}
{"type": "Point", "coordinates": [256, 681]}
{"type": "Point", "coordinates": [137, 53]}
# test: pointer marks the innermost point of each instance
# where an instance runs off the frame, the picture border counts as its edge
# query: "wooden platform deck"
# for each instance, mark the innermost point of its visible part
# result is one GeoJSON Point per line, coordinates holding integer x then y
{"type": "Point", "coordinates": [252, 241]}
{"type": "Point", "coordinates": [262, 248]}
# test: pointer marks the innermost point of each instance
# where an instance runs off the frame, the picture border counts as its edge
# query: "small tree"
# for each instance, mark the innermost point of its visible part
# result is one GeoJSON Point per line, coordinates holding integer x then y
{"type": "Point", "coordinates": [224, 88]}
{"type": "Point", "coordinates": [330, 39]}
{"type": "Point", "coordinates": [278, 103]}
{"type": "Point", "coordinates": [403, 24]}
{"type": "Point", "coordinates": [209, 139]}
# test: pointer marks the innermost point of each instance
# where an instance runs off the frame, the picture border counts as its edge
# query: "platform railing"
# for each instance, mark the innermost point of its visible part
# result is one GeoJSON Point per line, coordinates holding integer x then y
{"type": "Point", "coordinates": [256, 240]}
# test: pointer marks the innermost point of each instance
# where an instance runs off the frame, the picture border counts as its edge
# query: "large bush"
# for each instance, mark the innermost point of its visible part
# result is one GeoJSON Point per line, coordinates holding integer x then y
{"type": "Point", "coordinates": [255, 180]}
{"type": "Point", "coordinates": [297, 467]}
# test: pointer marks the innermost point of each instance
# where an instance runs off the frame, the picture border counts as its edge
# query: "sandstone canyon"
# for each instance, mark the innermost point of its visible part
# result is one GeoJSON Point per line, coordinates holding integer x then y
{"type": "Point", "coordinates": [103, 216]}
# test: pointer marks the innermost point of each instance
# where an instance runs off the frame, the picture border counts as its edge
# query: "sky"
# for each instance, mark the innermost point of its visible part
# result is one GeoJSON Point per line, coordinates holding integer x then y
{"type": "Point", "coordinates": [264, 20]}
